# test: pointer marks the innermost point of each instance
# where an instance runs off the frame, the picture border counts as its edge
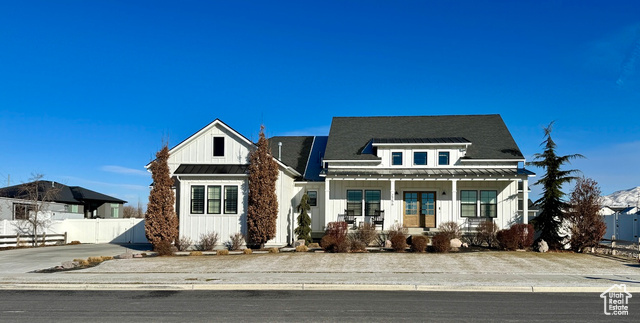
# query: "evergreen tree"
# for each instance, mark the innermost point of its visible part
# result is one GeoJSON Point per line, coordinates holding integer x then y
{"type": "Point", "coordinates": [552, 206]}
{"type": "Point", "coordinates": [304, 220]}
{"type": "Point", "coordinates": [263, 202]}
{"type": "Point", "coordinates": [587, 226]}
{"type": "Point", "coordinates": [161, 222]}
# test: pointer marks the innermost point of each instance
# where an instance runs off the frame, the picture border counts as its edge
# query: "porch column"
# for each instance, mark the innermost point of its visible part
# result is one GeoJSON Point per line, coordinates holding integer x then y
{"type": "Point", "coordinates": [454, 199]}
{"type": "Point", "coordinates": [525, 201]}
{"type": "Point", "coordinates": [327, 218]}
{"type": "Point", "coordinates": [392, 191]}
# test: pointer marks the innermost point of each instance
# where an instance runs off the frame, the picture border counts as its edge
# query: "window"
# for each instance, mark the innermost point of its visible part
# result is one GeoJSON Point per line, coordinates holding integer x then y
{"type": "Point", "coordinates": [230, 199]}
{"type": "Point", "coordinates": [115, 209]}
{"type": "Point", "coordinates": [218, 146]}
{"type": "Point", "coordinates": [420, 158]}
{"type": "Point", "coordinates": [396, 158]}
{"type": "Point", "coordinates": [214, 199]}
{"type": "Point", "coordinates": [197, 199]}
{"type": "Point", "coordinates": [313, 198]}
{"type": "Point", "coordinates": [468, 203]}
{"type": "Point", "coordinates": [371, 202]}
{"type": "Point", "coordinates": [443, 158]}
{"type": "Point", "coordinates": [354, 202]}
{"type": "Point", "coordinates": [488, 204]}
{"type": "Point", "coordinates": [21, 211]}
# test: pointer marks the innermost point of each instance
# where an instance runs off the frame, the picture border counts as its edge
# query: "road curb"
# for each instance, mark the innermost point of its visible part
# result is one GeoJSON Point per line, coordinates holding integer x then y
{"type": "Point", "coordinates": [316, 287]}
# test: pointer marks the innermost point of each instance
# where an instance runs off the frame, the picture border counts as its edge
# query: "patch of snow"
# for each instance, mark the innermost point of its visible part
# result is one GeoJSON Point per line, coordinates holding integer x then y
{"type": "Point", "coordinates": [630, 197]}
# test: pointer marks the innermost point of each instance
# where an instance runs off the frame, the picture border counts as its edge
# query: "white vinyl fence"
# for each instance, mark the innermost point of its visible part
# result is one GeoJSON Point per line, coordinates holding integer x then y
{"type": "Point", "coordinates": [91, 230]}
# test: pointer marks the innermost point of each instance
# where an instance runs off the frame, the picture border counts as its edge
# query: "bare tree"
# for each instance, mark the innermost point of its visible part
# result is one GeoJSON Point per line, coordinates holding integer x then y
{"type": "Point", "coordinates": [33, 216]}
{"type": "Point", "coordinates": [586, 224]}
{"type": "Point", "coordinates": [130, 211]}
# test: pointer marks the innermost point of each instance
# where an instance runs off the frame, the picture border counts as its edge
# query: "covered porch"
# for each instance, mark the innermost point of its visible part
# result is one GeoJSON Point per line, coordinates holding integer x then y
{"type": "Point", "coordinates": [423, 199]}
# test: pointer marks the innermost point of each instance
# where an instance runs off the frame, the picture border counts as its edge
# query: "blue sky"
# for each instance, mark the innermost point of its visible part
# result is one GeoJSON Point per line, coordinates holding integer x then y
{"type": "Point", "coordinates": [89, 89]}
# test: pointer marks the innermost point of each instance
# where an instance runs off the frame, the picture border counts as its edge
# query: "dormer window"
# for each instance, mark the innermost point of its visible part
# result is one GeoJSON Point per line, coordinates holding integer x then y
{"type": "Point", "coordinates": [420, 158]}
{"type": "Point", "coordinates": [396, 158]}
{"type": "Point", "coordinates": [443, 158]}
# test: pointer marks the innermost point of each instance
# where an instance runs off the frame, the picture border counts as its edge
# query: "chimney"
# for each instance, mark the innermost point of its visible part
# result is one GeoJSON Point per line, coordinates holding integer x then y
{"type": "Point", "coordinates": [280, 151]}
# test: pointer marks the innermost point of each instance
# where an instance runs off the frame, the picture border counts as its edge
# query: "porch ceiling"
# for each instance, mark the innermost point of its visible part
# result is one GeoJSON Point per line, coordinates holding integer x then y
{"type": "Point", "coordinates": [432, 173]}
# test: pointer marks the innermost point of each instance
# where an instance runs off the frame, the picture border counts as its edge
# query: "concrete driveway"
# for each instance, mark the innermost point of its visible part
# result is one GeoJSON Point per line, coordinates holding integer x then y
{"type": "Point", "coordinates": [24, 260]}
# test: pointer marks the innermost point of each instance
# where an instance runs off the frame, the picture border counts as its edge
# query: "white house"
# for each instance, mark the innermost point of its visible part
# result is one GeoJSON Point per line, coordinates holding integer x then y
{"type": "Point", "coordinates": [417, 171]}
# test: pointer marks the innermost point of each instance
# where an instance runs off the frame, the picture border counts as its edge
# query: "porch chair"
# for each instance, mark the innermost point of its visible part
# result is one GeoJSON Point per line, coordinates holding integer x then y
{"type": "Point", "coordinates": [350, 217]}
{"type": "Point", "coordinates": [378, 218]}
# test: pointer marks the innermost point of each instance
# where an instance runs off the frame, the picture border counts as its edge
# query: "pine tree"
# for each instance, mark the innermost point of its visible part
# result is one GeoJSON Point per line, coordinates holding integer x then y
{"type": "Point", "coordinates": [552, 206]}
{"type": "Point", "coordinates": [587, 226]}
{"type": "Point", "coordinates": [304, 220]}
{"type": "Point", "coordinates": [161, 222]}
{"type": "Point", "coordinates": [263, 202]}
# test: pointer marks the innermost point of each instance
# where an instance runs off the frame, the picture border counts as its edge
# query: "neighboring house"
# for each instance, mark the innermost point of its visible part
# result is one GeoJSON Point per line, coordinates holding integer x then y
{"type": "Point", "coordinates": [417, 172]}
{"type": "Point", "coordinates": [70, 202]}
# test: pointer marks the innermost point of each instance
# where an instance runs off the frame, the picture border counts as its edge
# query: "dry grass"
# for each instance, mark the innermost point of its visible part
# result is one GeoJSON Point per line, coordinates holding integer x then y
{"type": "Point", "coordinates": [195, 253]}
{"type": "Point", "coordinates": [247, 251]}
{"type": "Point", "coordinates": [302, 248]}
{"type": "Point", "coordinates": [274, 250]}
{"type": "Point", "coordinates": [94, 260]}
{"type": "Point", "coordinates": [223, 252]}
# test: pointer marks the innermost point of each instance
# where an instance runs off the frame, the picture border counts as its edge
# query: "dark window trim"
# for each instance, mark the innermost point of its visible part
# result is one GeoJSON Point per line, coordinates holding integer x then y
{"type": "Point", "coordinates": [218, 146]}
{"type": "Point", "coordinates": [313, 201]}
{"type": "Point", "coordinates": [366, 204]}
{"type": "Point", "coordinates": [448, 154]}
{"type": "Point", "coordinates": [426, 158]}
{"type": "Point", "coordinates": [219, 199]}
{"type": "Point", "coordinates": [475, 204]}
{"type": "Point", "coordinates": [359, 202]}
{"type": "Point", "coordinates": [227, 199]}
{"type": "Point", "coordinates": [194, 199]}
{"type": "Point", "coordinates": [495, 214]}
{"type": "Point", "coordinates": [393, 163]}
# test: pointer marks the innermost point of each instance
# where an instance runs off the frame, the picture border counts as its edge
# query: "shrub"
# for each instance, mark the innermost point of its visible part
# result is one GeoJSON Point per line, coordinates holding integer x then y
{"type": "Point", "coordinates": [365, 234]}
{"type": "Point", "coordinates": [247, 251]}
{"type": "Point", "coordinates": [183, 243]}
{"type": "Point", "coordinates": [357, 246]}
{"type": "Point", "coordinates": [163, 248]}
{"type": "Point", "coordinates": [105, 258]}
{"type": "Point", "coordinates": [486, 234]}
{"type": "Point", "coordinates": [441, 242]}
{"type": "Point", "coordinates": [419, 243]}
{"type": "Point", "coordinates": [81, 262]}
{"type": "Point", "coordinates": [338, 230]}
{"type": "Point", "coordinates": [195, 253]}
{"type": "Point", "coordinates": [399, 242]}
{"type": "Point", "coordinates": [74, 242]}
{"type": "Point", "coordinates": [314, 245]}
{"type": "Point", "coordinates": [222, 252]}
{"type": "Point", "coordinates": [208, 241]}
{"type": "Point", "coordinates": [94, 260]}
{"type": "Point", "coordinates": [331, 244]}
{"type": "Point", "coordinates": [524, 234]}
{"type": "Point", "coordinates": [235, 241]}
{"type": "Point", "coordinates": [507, 239]}
{"type": "Point", "coordinates": [394, 230]}
{"type": "Point", "coordinates": [451, 229]}
{"type": "Point", "coordinates": [274, 250]}
{"type": "Point", "coordinates": [302, 248]}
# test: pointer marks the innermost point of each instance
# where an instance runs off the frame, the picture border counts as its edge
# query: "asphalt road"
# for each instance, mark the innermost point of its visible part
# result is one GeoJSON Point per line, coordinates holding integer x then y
{"type": "Point", "coordinates": [299, 306]}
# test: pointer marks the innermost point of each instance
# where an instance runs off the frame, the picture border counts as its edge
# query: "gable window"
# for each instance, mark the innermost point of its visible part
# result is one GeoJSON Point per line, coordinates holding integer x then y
{"type": "Point", "coordinates": [396, 158]}
{"type": "Point", "coordinates": [371, 202]}
{"type": "Point", "coordinates": [218, 146]}
{"type": "Point", "coordinates": [230, 199]}
{"type": "Point", "coordinates": [197, 199]}
{"type": "Point", "coordinates": [354, 202]}
{"type": "Point", "coordinates": [313, 198]}
{"type": "Point", "coordinates": [214, 199]}
{"type": "Point", "coordinates": [420, 158]}
{"type": "Point", "coordinates": [468, 203]}
{"type": "Point", "coordinates": [443, 158]}
{"type": "Point", "coordinates": [489, 204]}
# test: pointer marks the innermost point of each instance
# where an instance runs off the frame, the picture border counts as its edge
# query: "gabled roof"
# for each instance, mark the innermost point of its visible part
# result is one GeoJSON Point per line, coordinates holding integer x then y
{"type": "Point", "coordinates": [489, 136]}
{"type": "Point", "coordinates": [303, 153]}
{"type": "Point", "coordinates": [66, 194]}
{"type": "Point", "coordinates": [445, 140]}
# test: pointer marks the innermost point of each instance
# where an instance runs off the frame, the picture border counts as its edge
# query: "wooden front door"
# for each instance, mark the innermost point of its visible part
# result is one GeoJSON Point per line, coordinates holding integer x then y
{"type": "Point", "coordinates": [419, 209]}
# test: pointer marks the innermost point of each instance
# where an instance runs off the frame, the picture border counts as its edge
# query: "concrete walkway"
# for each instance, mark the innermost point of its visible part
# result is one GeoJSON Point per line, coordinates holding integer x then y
{"type": "Point", "coordinates": [476, 271]}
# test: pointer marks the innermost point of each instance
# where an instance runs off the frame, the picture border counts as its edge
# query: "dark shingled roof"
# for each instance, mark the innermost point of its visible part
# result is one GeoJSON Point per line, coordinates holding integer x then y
{"type": "Point", "coordinates": [194, 169]}
{"type": "Point", "coordinates": [66, 194]}
{"type": "Point", "coordinates": [489, 136]}
{"type": "Point", "coordinates": [448, 140]}
{"type": "Point", "coordinates": [295, 150]}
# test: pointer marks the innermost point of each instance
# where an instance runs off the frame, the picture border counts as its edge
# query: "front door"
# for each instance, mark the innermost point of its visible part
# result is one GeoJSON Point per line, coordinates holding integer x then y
{"type": "Point", "coordinates": [419, 209]}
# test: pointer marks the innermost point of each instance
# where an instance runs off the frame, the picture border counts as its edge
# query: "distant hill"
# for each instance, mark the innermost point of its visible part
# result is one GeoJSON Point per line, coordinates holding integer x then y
{"type": "Point", "coordinates": [623, 198]}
